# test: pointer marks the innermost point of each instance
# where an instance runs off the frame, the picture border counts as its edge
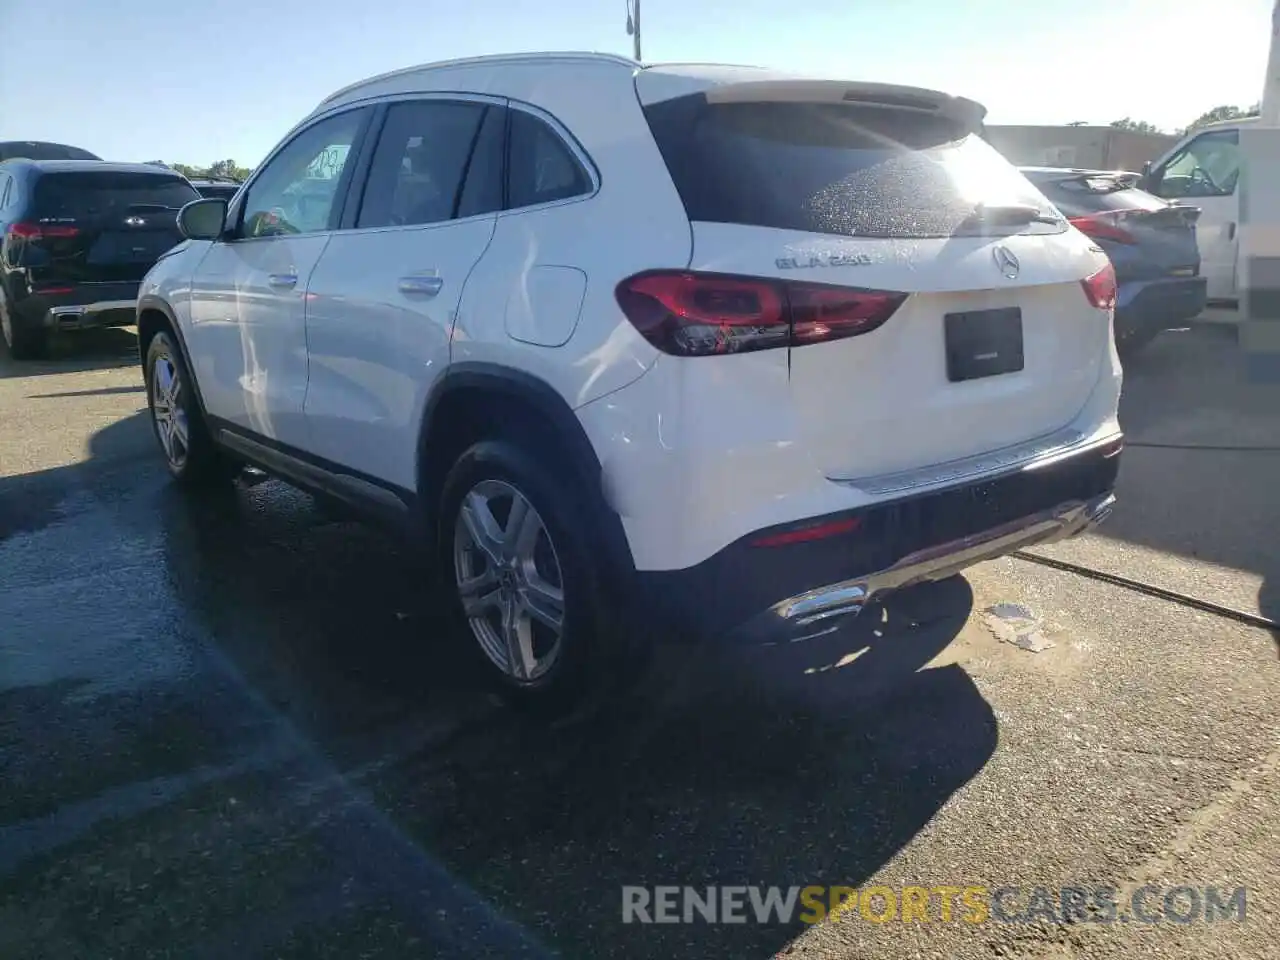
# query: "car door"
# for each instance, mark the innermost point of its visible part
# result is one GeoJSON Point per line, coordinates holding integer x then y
{"type": "Point", "coordinates": [1205, 173]}
{"type": "Point", "coordinates": [248, 324]}
{"type": "Point", "coordinates": [381, 303]}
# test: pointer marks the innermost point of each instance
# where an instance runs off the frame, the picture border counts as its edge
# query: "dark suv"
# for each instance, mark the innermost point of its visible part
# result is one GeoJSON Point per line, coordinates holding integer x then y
{"type": "Point", "coordinates": [42, 150]}
{"type": "Point", "coordinates": [76, 237]}
{"type": "Point", "coordinates": [1151, 243]}
{"type": "Point", "coordinates": [218, 188]}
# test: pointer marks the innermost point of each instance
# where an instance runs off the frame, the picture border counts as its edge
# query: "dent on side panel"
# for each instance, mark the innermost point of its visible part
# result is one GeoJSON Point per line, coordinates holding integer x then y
{"type": "Point", "coordinates": [634, 221]}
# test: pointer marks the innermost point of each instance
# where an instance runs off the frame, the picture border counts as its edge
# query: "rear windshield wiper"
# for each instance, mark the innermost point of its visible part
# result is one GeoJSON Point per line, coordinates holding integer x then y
{"type": "Point", "coordinates": [1008, 215]}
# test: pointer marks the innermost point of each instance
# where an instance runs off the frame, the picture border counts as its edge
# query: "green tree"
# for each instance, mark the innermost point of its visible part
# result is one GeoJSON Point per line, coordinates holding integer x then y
{"type": "Point", "coordinates": [1224, 112]}
{"type": "Point", "coordinates": [220, 168]}
{"type": "Point", "coordinates": [1137, 126]}
{"type": "Point", "coordinates": [228, 168]}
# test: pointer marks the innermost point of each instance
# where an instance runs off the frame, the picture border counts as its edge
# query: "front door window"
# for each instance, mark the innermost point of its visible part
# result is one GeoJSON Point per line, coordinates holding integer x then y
{"type": "Point", "coordinates": [298, 190]}
{"type": "Point", "coordinates": [1208, 166]}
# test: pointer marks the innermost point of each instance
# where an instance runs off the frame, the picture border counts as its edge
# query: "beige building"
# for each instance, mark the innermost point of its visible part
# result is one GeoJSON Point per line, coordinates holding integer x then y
{"type": "Point", "coordinates": [1102, 148]}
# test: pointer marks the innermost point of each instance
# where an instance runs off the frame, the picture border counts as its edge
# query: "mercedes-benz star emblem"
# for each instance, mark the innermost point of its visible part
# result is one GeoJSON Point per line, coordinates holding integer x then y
{"type": "Point", "coordinates": [1006, 262]}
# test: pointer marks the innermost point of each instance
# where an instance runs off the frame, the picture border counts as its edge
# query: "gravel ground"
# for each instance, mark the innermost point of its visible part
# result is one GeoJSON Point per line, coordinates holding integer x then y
{"type": "Point", "coordinates": [236, 728]}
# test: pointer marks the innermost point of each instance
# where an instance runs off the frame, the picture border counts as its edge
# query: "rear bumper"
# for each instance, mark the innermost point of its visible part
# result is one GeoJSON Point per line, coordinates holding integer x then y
{"type": "Point", "coordinates": [759, 593]}
{"type": "Point", "coordinates": [1149, 306]}
{"type": "Point", "coordinates": [84, 305]}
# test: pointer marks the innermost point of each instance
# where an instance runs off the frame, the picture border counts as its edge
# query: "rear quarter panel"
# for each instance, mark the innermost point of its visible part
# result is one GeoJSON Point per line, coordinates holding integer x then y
{"type": "Point", "coordinates": [633, 221]}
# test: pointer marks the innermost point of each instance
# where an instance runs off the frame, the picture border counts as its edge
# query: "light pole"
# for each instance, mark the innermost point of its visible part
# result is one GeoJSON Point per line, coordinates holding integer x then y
{"type": "Point", "coordinates": [633, 25]}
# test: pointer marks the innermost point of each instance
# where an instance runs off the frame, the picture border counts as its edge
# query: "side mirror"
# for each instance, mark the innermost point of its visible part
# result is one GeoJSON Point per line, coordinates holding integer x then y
{"type": "Point", "coordinates": [1145, 181]}
{"type": "Point", "coordinates": [203, 219]}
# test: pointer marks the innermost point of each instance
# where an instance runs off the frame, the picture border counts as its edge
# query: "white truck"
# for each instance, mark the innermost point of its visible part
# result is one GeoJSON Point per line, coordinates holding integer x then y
{"type": "Point", "coordinates": [1203, 170]}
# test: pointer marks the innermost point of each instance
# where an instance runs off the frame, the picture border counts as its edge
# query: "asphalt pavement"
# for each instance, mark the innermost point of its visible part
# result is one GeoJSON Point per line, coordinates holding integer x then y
{"type": "Point", "coordinates": [233, 726]}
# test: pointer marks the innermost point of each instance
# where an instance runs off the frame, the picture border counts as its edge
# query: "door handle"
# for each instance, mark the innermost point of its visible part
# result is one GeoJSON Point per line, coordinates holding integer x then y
{"type": "Point", "coordinates": [1231, 230]}
{"type": "Point", "coordinates": [427, 286]}
{"type": "Point", "coordinates": [282, 279]}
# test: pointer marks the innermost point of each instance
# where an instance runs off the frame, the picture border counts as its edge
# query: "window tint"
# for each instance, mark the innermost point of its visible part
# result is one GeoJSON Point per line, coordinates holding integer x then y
{"type": "Point", "coordinates": [482, 192]}
{"type": "Point", "coordinates": [297, 190]}
{"type": "Point", "coordinates": [1208, 166]}
{"type": "Point", "coordinates": [1082, 195]}
{"type": "Point", "coordinates": [417, 170]}
{"type": "Point", "coordinates": [837, 168]}
{"type": "Point", "coordinates": [84, 194]}
{"type": "Point", "coordinates": [542, 168]}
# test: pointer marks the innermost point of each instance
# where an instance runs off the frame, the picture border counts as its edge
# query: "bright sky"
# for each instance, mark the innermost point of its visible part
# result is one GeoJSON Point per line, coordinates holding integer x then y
{"type": "Point", "coordinates": [197, 82]}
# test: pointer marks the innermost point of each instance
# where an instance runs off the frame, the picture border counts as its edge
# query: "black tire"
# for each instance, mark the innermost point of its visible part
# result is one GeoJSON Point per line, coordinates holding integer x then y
{"type": "Point", "coordinates": [591, 662]}
{"type": "Point", "coordinates": [1130, 346]}
{"type": "Point", "coordinates": [24, 342]}
{"type": "Point", "coordinates": [200, 462]}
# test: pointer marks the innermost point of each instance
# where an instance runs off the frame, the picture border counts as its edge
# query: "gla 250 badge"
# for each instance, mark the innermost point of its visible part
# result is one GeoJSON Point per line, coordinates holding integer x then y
{"type": "Point", "coordinates": [827, 260]}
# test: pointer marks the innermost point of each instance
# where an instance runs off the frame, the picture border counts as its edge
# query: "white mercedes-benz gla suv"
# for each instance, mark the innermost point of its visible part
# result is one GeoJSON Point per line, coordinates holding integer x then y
{"type": "Point", "coordinates": [639, 349]}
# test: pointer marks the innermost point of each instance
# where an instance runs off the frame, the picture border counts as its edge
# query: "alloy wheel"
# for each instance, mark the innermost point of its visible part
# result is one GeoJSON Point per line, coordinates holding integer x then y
{"type": "Point", "coordinates": [168, 412]}
{"type": "Point", "coordinates": [509, 580]}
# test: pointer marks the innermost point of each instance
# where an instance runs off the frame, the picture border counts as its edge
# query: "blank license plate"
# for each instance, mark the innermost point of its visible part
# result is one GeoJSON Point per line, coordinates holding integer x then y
{"type": "Point", "coordinates": [983, 343]}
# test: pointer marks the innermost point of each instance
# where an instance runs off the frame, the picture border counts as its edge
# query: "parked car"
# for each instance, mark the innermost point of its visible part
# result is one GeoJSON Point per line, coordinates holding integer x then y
{"type": "Point", "coordinates": [76, 237]}
{"type": "Point", "coordinates": [41, 150]}
{"type": "Point", "coordinates": [1151, 243]}
{"type": "Point", "coordinates": [640, 350]}
{"type": "Point", "coordinates": [222, 187]}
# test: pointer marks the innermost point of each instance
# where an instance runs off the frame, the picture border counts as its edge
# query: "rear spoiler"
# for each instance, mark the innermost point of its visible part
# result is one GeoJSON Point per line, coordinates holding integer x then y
{"type": "Point", "coordinates": [968, 113]}
{"type": "Point", "coordinates": [1117, 180]}
{"type": "Point", "coordinates": [1189, 215]}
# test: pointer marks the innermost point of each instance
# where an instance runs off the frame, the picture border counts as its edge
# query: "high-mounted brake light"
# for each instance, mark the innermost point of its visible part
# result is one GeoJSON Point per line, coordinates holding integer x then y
{"type": "Point", "coordinates": [41, 231]}
{"type": "Point", "coordinates": [1101, 288]}
{"type": "Point", "coordinates": [691, 314]}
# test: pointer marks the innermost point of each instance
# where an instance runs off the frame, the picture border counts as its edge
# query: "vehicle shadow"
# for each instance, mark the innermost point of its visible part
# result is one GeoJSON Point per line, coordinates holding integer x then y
{"type": "Point", "coordinates": [806, 764]}
{"type": "Point", "coordinates": [94, 349]}
{"type": "Point", "coordinates": [1199, 474]}
{"type": "Point", "coordinates": [811, 763]}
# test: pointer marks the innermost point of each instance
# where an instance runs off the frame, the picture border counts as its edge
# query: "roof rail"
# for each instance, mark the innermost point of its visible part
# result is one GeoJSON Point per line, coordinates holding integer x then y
{"type": "Point", "coordinates": [496, 58]}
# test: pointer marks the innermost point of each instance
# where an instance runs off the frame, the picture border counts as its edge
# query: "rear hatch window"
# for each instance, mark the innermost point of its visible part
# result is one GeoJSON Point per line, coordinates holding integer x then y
{"type": "Point", "coordinates": [841, 168]}
{"type": "Point", "coordinates": [84, 195]}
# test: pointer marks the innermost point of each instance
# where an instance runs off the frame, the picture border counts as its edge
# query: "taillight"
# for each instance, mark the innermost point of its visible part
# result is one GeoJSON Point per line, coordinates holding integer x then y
{"type": "Point", "coordinates": [705, 314]}
{"type": "Point", "coordinates": [1104, 226]}
{"type": "Point", "coordinates": [41, 231]}
{"type": "Point", "coordinates": [1101, 288]}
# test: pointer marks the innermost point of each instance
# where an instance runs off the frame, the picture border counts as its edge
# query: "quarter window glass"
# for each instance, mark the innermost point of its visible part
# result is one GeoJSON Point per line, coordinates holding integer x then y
{"type": "Point", "coordinates": [4, 193]}
{"type": "Point", "coordinates": [298, 189]}
{"type": "Point", "coordinates": [1208, 166]}
{"type": "Point", "coordinates": [418, 167]}
{"type": "Point", "coordinates": [542, 168]}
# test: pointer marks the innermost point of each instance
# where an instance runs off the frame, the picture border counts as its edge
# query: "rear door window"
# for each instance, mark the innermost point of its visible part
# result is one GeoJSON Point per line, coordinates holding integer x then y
{"type": "Point", "coordinates": [421, 159]}
{"type": "Point", "coordinates": [91, 195]}
{"type": "Point", "coordinates": [836, 168]}
{"type": "Point", "coordinates": [541, 167]}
